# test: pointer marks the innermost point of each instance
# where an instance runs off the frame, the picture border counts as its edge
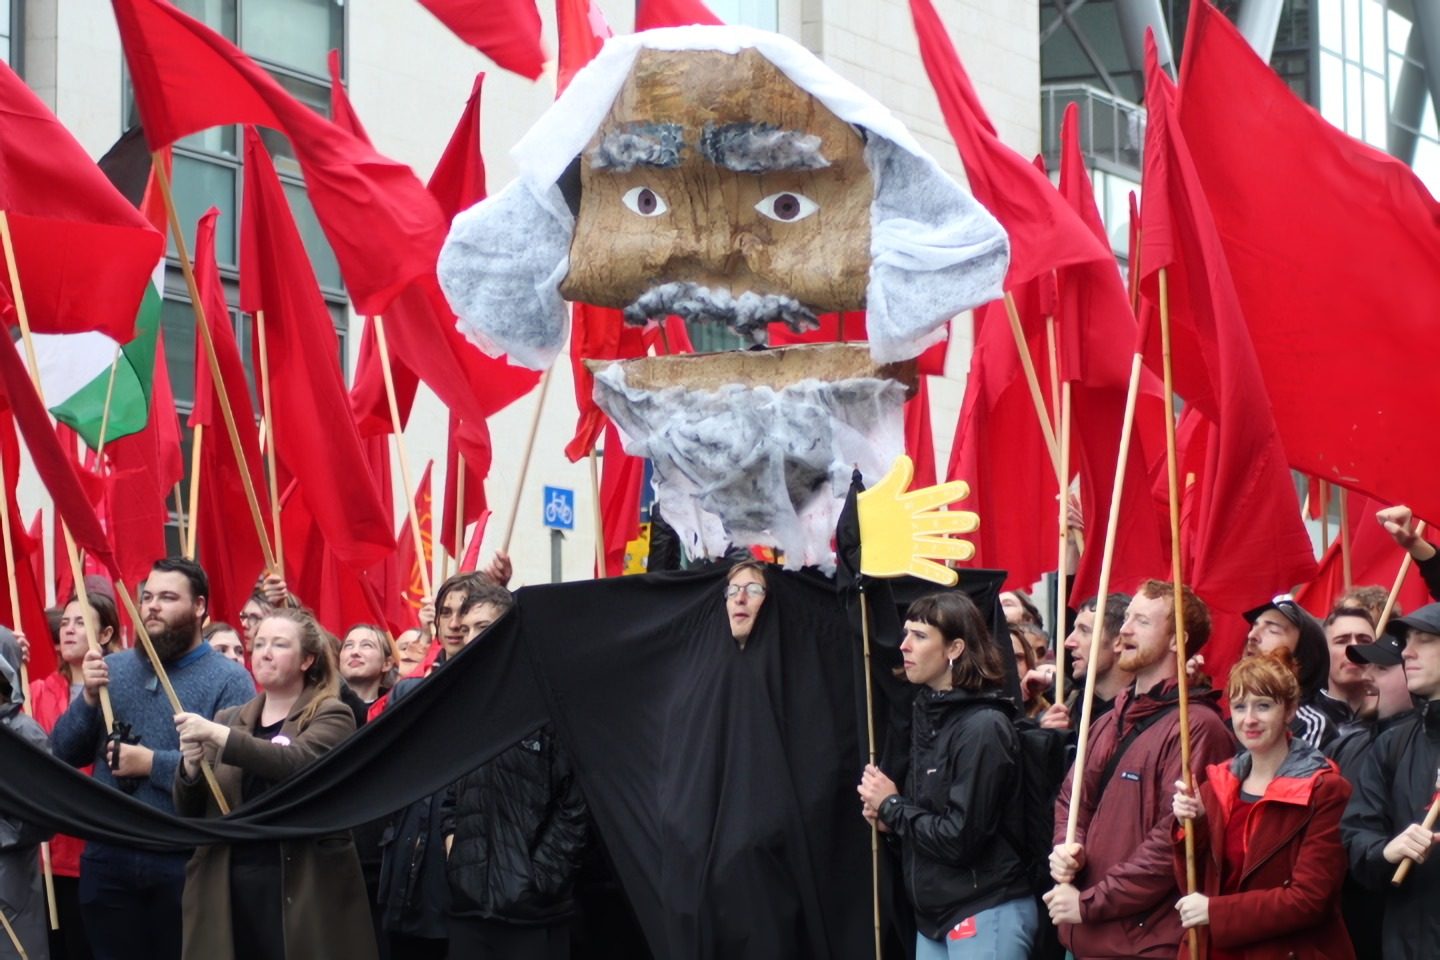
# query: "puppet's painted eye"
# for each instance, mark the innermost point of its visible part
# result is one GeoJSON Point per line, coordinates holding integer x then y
{"type": "Point", "coordinates": [644, 201]}
{"type": "Point", "coordinates": [787, 207]}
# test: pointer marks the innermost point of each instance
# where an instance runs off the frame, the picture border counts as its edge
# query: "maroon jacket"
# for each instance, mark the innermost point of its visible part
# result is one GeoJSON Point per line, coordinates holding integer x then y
{"type": "Point", "coordinates": [1127, 889]}
{"type": "Point", "coordinates": [1288, 905]}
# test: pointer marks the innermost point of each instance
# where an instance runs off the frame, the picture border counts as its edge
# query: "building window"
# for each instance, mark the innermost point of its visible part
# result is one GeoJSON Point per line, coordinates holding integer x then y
{"type": "Point", "coordinates": [1372, 80]}
{"type": "Point", "coordinates": [10, 32]}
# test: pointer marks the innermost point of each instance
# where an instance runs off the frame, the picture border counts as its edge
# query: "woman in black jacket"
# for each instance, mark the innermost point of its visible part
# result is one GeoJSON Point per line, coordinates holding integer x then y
{"type": "Point", "coordinates": [958, 821]}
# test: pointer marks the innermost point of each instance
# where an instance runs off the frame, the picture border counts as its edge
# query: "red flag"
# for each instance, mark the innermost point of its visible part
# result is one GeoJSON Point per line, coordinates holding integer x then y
{"type": "Point", "coordinates": [472, 552]}
{"type": "Point", "coordinates": [1374, 559]}
{"type": "Point", "coordinates": [369, 401]}
{"type": "Point", "coordinates": [26, 549]}
{"type": "Point", "coordinates": [458, 181]}
{"type": "Point", "coordinates": [412, 582]}
{"type": "Point", "coordinates": [1333, 247]}
{"type": "Point", "coordinates": [1000, 451]}
{"type": "Point", "coordinates": [146, 465]}
{"type": "Point", "coordinates": [620, 480]}
{"type": "Point", "coordinates": [226, 542]}
{"type": "Point", "coordinates": [55, 466]}
{"type": "Point", "coordinates": [596, 333]}
{"type": "Point", "coordinates": [582, 31]}
{"type": "Point", "coordinates": [342, 112]}
{"type": "Point", "coordinates": [474, 446]}
{"type": "Point", "coordinates": [919, 437]}
{"type": "Point", "coordinates": [83, 252]}
{"type": "Point", "coordinates": [1044, 232]}
{"type": "Point", "coordinates": [187, 78]}
{"type": "Point", "coordinates": [1247, 541]}
{"type": "Point", "coordinates": [506, 31]}
{"type": "Point", "coordinates": [651, 14]}
{"type": "Point", "coordinates": [420, 326]}
{"type": "Point", "coordinates": [339, 595]}
{"type": "Point", "coordinates": [1095, 326]}
{"type": "Point", "coordinates": [315, 437]}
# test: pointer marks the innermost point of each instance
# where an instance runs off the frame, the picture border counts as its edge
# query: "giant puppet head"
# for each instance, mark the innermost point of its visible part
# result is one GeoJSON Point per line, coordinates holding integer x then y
{"type": "Point", "coordinates": [727, 175]}
{"type": "Point", "coordinates": [723, 174]}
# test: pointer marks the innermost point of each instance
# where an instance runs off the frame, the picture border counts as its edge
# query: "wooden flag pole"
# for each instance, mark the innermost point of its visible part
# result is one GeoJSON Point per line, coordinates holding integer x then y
{"type": "Point", "coordinates": [87, 612]}
{"type": "Point", "coordinates": [218, 382]}
{"type": "Point", "coordinates": [1053, 348]}
{"type": "Point", "coordinates": [600, 570]}
{"type": "Point", "coordinates": [197, 441]}
{"type": "Point", "coordinates": [1182, 679]}
{"type": "Point", "coordinates": [159, 667]}
{"type": "Point", "coordinates": [1028, 365]}
{"type": "Point", "coordinates": [459, 510]}
{"type": "Point", "coordinates": [409, 489]}
{"type": "Point", "coordinates": [1405, 565]}
{"type": "Point", "coordinates": [1107, 556]}
{"type": "Point", "coordinates": [870, 743]}
{"type": "Point", "coordinates": [76, 570]}
{"type": "Point", "coordinates": [525, 461]}
{"type": "Point", "coordinates": [1087, 698]}
{"type": "Point", "coordinates": [1061, 571]}
{"type": "Point", "coordinates": [1431, 815]}
{"type": "Point", "coordinates": [1345, 538]}
{"type": "Point", "coordinates": [105, 412]}
{"type": "Point", "coordinates": [14, 937]}
{"type": "Point", "coordinates": [268, 412]}
{"type": "Point", "coordinates": [180, 522]}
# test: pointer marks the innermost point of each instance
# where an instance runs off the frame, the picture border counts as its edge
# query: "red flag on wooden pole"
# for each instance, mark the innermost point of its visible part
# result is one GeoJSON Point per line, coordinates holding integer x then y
{"type": "Point", "coordinates": [1246, 540]}
{"type": "Point", "coordinates": [226, 542]}
{"type": "Point", "coordinates": [1333, 248]}
{"type": "Point", "coordinates": [83, 252]}
{"type": "Point", "coordinates": [187, 78]}
{"type": "Point", "coordinates": [412, 586]}
{"type": "Point", "coordinates": [315, 436]}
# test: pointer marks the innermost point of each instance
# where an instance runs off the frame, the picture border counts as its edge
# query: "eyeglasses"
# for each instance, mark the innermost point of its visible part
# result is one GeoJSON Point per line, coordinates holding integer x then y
{"type": "Point", "coordinates": [752, 590]}
{"type": "Point", "coordinates": [250, 618]}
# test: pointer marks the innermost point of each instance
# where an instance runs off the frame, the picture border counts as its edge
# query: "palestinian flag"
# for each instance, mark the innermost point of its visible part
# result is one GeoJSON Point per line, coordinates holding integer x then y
{"type": "Point", "coordinates": [84, 373]}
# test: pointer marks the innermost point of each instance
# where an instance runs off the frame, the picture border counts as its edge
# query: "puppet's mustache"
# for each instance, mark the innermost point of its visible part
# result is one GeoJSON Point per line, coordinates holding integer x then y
{"type": "Point", "coordinates": [748, 314]}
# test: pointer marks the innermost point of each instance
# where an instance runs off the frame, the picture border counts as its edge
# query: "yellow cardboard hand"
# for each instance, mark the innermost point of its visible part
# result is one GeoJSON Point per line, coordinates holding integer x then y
{"type": "Point", "coordinates": [905, 533]}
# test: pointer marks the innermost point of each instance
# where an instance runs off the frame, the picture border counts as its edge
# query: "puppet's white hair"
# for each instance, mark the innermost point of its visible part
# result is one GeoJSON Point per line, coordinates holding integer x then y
{"type": "Point", "coordinates": [935, 251]}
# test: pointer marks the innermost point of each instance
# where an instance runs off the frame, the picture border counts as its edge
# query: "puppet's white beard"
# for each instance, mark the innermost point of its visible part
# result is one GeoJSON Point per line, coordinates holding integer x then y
{"type": "Point", "coordinates": [756, 465]}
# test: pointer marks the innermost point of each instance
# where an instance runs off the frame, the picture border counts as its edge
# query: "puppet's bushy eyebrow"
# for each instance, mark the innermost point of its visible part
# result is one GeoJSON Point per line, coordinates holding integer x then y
{"type": "Point", "coordinates": [750, 147]}
{"type": "Point", "coordinates": [639, 144]}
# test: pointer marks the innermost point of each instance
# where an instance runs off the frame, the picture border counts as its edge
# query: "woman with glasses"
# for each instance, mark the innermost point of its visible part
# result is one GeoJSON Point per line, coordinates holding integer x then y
{"type": "Point", "coordinates": [744, 595]}
{"type": "Point", "coordinates": [959, 827]}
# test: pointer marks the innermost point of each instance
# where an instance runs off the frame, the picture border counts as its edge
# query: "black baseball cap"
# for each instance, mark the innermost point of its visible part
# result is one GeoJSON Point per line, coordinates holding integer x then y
{"type": "Point", "coordinates": [1384, 652]}
{"type": "Point", "coordinates": [1289, 608]}
{"type": "Point", "coordinates": [1426, 619]}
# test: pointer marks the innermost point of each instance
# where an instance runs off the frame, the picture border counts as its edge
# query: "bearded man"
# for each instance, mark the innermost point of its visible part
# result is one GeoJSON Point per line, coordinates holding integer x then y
{"type": "Point", "coordinates": [130, 899]}
{"type": "Point", "coordinates": [1115, 887]}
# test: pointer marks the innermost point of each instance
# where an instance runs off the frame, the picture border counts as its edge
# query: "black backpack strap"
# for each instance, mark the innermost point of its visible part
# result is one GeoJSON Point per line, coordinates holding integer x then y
{"type": "Point", "coordinates": [1140, 727]}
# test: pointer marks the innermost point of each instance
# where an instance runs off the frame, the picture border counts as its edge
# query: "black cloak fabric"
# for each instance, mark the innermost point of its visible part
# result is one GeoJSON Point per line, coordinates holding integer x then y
{"type": "Point", "coordinates": [722, 780]}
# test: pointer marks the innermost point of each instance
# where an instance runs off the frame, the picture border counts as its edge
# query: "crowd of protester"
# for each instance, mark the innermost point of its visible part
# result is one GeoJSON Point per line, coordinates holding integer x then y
{"type": "Point", "coordinates": [1276, 828]}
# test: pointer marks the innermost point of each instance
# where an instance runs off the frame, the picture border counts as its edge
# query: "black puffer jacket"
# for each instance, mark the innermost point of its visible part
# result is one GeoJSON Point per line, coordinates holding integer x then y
{"type": "Point", "coordinates": [519, 824]}
{"type": "Point", "coordinates": [959, 819]}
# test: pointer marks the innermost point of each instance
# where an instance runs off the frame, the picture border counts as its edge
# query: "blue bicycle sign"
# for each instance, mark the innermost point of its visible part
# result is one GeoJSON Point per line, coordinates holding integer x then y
{"type": "Point", "coordinates": [559, 508]}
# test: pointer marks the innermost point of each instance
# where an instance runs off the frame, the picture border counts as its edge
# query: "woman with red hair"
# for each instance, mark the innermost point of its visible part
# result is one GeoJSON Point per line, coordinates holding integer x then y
{"type": "Point", "coordinates": [1267, 832]}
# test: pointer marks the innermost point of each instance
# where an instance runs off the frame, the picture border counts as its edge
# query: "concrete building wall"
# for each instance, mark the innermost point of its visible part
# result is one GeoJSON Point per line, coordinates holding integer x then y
{"type": "Point", "coordinates": [409, 78]}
